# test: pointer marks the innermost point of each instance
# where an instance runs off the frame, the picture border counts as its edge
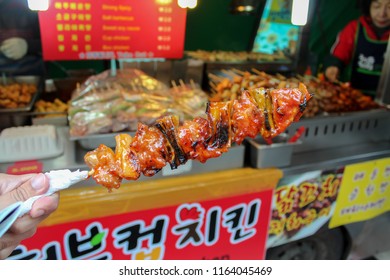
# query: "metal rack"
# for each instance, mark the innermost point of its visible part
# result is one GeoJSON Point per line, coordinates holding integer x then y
{"type": "Point", "coordinates": [343, 129]}
{"type": "Point", "coordinates": [339, 140]}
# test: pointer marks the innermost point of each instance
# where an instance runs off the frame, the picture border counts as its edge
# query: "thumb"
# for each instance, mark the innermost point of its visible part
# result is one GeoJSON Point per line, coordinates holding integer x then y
{"type": "Point", "coordinates": [37, 185]}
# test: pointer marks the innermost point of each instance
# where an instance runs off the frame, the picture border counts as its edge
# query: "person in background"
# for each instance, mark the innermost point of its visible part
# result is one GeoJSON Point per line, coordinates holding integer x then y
{"type": "Point", "coordinates": [15, 188]}
{"type": "Point", "coordinates": [20, 43]}
{"type": "Point", "coordinates": [359, 49]}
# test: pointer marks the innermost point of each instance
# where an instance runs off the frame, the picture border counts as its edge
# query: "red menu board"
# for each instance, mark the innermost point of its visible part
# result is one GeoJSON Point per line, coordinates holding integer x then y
{"type": "Point", "coordinates": [112, 29]}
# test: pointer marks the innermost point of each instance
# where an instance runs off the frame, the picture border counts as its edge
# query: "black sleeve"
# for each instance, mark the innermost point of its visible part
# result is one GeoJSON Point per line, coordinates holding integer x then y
{"type": "Point", "coordinates": [34, 44]}
{"type": "Point", "coordinates": [331, 60]}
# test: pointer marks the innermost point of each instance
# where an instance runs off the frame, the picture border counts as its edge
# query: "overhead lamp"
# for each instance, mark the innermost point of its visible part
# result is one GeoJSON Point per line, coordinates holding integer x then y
{"type": "Point", "coordinates": [163, 2]}
{"type": "Point", "coordinates": [299, 12]}
{"type": "Point", "coordinates": [187, 3]}
{"type": "Point", "coordinates": [244, 6]}
{"type": "Point", "coordinates": [38, 5]}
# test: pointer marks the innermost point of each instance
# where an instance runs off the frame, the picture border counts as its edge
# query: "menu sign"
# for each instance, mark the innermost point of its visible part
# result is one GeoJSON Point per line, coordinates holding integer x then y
{"type": "Point", "coordinates": [112, 29]}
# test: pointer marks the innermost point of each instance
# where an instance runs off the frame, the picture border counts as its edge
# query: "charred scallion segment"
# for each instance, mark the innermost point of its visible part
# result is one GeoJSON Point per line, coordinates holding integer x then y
{"type": "Point", "coordinates": [260, 100]}
{"type": "Point", "coordinates": [303, 105]}
{"type": "Point", "coordinates": [266, 120]}
{"type": "Point", "coordinates": [259, 97]}
{"type": "Point", "coordinates": [268, 111]}
{"type": "Point", "coordinates": [167, 126]}
{"type": "Point", "coordinates": [219, 117]}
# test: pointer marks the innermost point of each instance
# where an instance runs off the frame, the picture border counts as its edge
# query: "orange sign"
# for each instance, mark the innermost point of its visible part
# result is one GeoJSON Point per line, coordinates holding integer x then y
{"type": "Point", "coordinates": [25, 167]}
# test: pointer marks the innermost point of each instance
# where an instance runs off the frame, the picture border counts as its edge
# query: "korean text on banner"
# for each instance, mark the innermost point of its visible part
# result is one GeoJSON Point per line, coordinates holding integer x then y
{"type": "Point", "coordinates": [364, 192]}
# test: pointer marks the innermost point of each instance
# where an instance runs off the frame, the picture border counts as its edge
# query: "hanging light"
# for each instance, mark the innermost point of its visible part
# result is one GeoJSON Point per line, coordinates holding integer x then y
{"type": "Point", "coordinates": [187, 3]}
{"type": "Point", "coordinates": [164, 2]}
{"type": "Point", "coordinates": [299, 12]}
{"type": "Point", "coordinates": [38, 5]}
{"type": "Point", "coordinates": [244, 6]}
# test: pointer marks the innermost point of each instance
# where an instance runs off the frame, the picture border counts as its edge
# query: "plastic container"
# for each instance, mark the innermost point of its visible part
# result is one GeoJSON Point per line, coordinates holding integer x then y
{"type": "Point", "coordinates": [29, 143]}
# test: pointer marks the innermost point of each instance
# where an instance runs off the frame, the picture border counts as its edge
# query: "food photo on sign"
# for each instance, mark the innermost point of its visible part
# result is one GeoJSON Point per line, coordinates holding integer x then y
{"type": "Point", "coordinates": [303, 204]}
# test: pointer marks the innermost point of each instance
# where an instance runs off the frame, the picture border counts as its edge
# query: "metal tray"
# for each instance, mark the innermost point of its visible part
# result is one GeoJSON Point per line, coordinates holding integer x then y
{"type": "Point", "coordinates": [277, 154]}
{"type": "Point", "coordinates": [54, 120]}
{"type": "Point", "coordinates": [90, 142]}
{"type": "Point", "coordinates": [22, 109]}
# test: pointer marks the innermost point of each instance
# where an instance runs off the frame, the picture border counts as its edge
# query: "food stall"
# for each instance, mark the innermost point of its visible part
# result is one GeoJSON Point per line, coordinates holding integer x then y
{"type": "Point", "coordinates": [309, 198]}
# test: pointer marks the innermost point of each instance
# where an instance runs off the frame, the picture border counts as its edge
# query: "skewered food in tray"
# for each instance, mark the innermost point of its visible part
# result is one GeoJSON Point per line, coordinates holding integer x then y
{"type": "Point", "coordinates": [328, 97]}
{"type": "Point", "coordinates": [268, 112]}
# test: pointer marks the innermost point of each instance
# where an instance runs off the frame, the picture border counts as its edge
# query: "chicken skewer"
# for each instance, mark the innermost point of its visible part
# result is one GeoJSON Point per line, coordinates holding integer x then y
{"type": "Point", "coordinates": [259, 111]}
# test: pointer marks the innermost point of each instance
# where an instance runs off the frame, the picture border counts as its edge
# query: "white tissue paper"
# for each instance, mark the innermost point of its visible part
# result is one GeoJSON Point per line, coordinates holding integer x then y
{"type": "Point", "coordinates": [59, 180]}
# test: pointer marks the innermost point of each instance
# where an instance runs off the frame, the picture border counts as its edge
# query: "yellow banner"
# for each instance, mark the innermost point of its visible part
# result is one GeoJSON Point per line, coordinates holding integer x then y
{"type": "Point", "coordinates": [364, 192]}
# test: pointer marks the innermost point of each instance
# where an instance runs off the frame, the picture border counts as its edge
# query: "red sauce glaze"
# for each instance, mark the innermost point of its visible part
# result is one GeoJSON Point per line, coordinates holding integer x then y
{"type": "Point", "coordinates": [151, 148]}
{"type": "Point", "coordinates": [286, 107]}
{"type": "Point", "coordinates": [102, 160]}
{"type": "Point", "coordinates": [193, 136]}
{"type": "Point", "coordinates": [247, 119]}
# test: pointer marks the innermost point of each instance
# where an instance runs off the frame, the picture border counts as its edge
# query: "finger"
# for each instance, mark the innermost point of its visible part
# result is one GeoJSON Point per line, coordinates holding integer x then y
{"type": "Point", "coordinates": [25, 224]}
{"type": "Point", "coordinates": [37, 185]}
{"type": "Point", "coordinates": [10, 182]}
{"type": "Point", "coordinates": [10, 241]}
{"type": "Point", "coordinates": [45, 206]}
{"type": "Point", "coordinates": [6, 252]}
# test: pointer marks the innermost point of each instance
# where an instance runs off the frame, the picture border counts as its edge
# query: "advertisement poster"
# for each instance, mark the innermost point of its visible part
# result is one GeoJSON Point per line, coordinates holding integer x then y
{"type": "Point", "coordinates": [115, 29]}
{"type": "Point", "coordinates": [226, 228]}
{"type": "Point", "coordinates": [280, 11]}
{"type": "Point", "coordinates": [276, 33]}
{"type": "Point", "coordinates": [364, 192]}
{"type": "Point", "coordinates": [302, 204]}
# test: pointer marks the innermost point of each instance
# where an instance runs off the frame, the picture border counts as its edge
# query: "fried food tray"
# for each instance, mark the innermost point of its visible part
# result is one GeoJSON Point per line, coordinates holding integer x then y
{"type": "Point", "coordinates": [29, 80]}
{"type": "Point", "coordinates": [27, 108]}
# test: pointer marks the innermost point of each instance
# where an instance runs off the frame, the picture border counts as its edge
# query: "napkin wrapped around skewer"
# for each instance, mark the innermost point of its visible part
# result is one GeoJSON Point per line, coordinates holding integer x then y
{"type": "Point", "coordinates": [59, 180]}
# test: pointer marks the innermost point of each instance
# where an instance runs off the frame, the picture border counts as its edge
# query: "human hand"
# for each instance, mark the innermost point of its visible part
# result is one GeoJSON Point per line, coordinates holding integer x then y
{"type": "Point", "coordinates": [15, 188]}
{"type": "Point", "coordinates": [332, 73]}
{"type": "Point", "coordinates": [14, 48]}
